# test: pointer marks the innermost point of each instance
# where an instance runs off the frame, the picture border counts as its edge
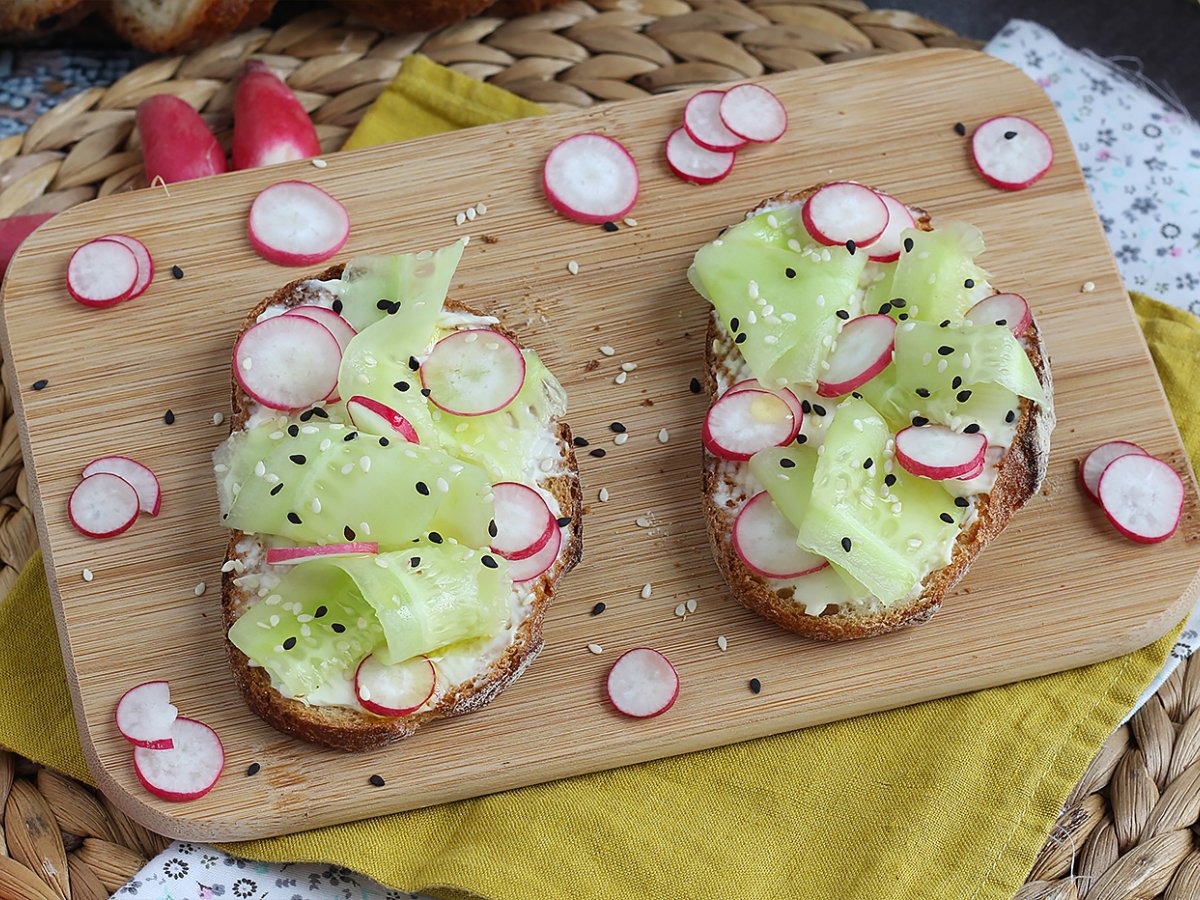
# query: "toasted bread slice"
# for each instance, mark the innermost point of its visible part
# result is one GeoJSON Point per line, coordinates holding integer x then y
{"type": "Point", "coordinates": [1020, 474]}
{"type": "Point", "coordinates": [42, 15]}
{"type": "Point", "coordinates": [345, 728]}
{"type": "Point", "coordinates": [164, 26]}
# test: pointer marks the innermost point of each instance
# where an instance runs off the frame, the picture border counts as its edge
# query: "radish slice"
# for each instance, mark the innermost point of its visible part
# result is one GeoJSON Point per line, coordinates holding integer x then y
{"type": "Point", "coordinates": [288, 362]}
{"type": "Point", "coordinates": [974, 473]}
{"type": "Point", "coordinates": [1097, 461]}
{"type": "Point", "coordinates": [693, 163]}
{"type": "Point", "coordinates": [102, 273]}
{"type": "Point", "coordinates": [145, 262]}
{"type": "Point", "coordinates": [379, 419]}
{"type": "Point", "coordinates": [643, 683]}
{"type": "Point", "coordinates": [533, 566]}
{"type": "Point", "coordinates": [937, 452]}
{"type": "Point", "coordinates": [766, 541]}
{"type": "Point", "coordinates": [103, 505]}
{"type": "Point", "coordinates": [1009, 310]}
{"type": "Point", "coordinates": [1142, 497]}
{"type": "Point", "coordinates": [396, 690]}
{"type": "Point", "coordinates": [524, 523]}
{"type": "Point", "coordinates": [886, 247]}
{"type": "Point", "coordinates": [145, 715]}
{"type": "Point", "coordinates": [473, 372]}
{"type": "Point", "coordinates": [590, 178]}
{"type": "Point", "coordinates": [1011, 153]}
{"type": "Point", "coordinates": [189, 769]}
{"type": "Point", "coordinates": [139, 477]}
{"type": "Point", "coordinates": [702, 121]}
{"type": "Point", "coordinates": [290, 556]}
{"type": "Point", "coordinates": [754, 113]}
{"type": "Point", "coordinates": [864, 349]}
{"type": "Point", "coordinates": [845, 213]}
{"type": "Point", "coordinates": [343, 332]}
{"type": "Point", "coordinates": [294, 223]}
{"type": "Point", "coordinates": [739, 425]}
{"type": "Point", "coordinates": [753, 384]}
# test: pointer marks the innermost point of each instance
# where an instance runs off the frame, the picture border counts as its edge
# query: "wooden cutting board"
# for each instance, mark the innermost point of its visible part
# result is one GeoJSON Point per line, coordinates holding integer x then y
{"type": "Point", "coordinates": [1057, 590]}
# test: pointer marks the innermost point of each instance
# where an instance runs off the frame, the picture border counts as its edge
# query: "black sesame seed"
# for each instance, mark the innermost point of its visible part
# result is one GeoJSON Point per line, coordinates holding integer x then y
{"type": "Point", "coordinates": [868, 462]}
{"type": "Point", "coordinates": [425, 392]}
{"type": "Point", "coordinates": [922, 392]}
{"type": "Point", "coordinates": [971, 429]}
{"type": "Point", "coordinates": [842, 314]}
{"type": "Point", "coordinates": [755, 685]}
{"type": "Point", "coordinates": [908, 245]}
{"type": "Point", "coordinates": [617, 428]}
{"type": "Point", "coordinates": [349, 533]}
{"type": "Point", "coordinates": [350, 436]}
{"type": "Point", "coordinates": [789, 272]}
{"type": "Point", "coordinates": [787, 463]}
{"type": "Point", "coordinates": [298, 458]}
{"type": "Point", "coordinates": [376, 781]}
{"type": "Point", "coordinates": [436, 538]}
{"type": "Point", "coordinates": [960, 129]}
{"type": "Point", "coordinates": [415, 561]}
{"type": "Point", "coordinates": [253, 769]}
{"type": "Point", "coordinates": [169, 417]}
{"type": "Point", "coordinates": [402, 386]}
{"type": "Point", "coordinates": [1011, 416]}
{"type": "Point", "coordinates": [293, 518]}
{"type": "Point", "coordinates": [734, 324]}
{"type": "Point", "coordinates": [579, 441]}
{"type": "Point", "coordinates": [598, 608]}
{"type": "Point", "coordinates": [383, 304]}
{"type": "Point", "coordinates": [306, 415]}
{"type": "Point", "coordinates": [319, 413]}
{"type": "Point", "coordinates": [802, 439]}
{"type": "Point", "coordinates": [920, 421]}
{"type": "Point", "coordinates": [289, 643]}
{"type": "Point", "coordinates": [1009, 135]}
{"type": "Point", "coordinates": [413, 364]}
{"type": "Point", "coordinates": [806, 407]}
{"type": "Point", "coordinates": [338, 627]}
{"type": "Point", "coordinates": [899, 302]}
{"type": "Point", "coordinates": [962, 502]}
{"type": "Point", "coordinates": [851, 246]}
{"type": "Point", "coordinates": [947, 518]}
{"type": "Point", "coordinates": [818, 409]}
{"type": "Point", "coordinates": [889, 480]}
{"type": "Point", "coordinates": [492, 530]}
{"type": "Point", "coordinates": [885, 308]}
{"type": "Point", "coordinates": [337, 305]}
{"type": "Point", "coordinates": [610, 226]}
{"type": "Point", "coordinates": [694, 386]}
{"type": "Point", "coordinates": [903, 317]}
{"type": "Point", "coordinates": [294, 430]}
{"type": "Point", "coordinates": [321, 611]}
{"type": "Point", "coordinates": [740, 339]}
{"type": "Point", "coordinates": [1002, 321]}
{"type": "Point", "coordinates": [962, 396]}
{"type": "Point", "coordinates": [956, 383]}
{"type": "Point", "coordinates": [944, 350]}
{"type": "Point", "coordinates": [384, 442]}
{"type": "Point", "coordinates": [422, 489]}
{"type": "Point", "coordinates": [856, 395]}
{"type": "Point", "coordinates": [846, 544]}
{"type": "Point", "coordinates": [599, 453]}
{"type": "Point", "coordinates": [394, 308]}
{"type": "Point", "coordinates": [969, 283]}
{"type": "Point", "coordinates": [177, 272]}
{"type": "Point", "coordinates": [489, 561]}
{"type": "Point", "coordinates": [562, 521]}
{"type": "Point", "coordinates": [945, 323]}
{"type": "Point", "coordinates": [40, 384]}
{"type": "Point", "coordinates": [275, 490]}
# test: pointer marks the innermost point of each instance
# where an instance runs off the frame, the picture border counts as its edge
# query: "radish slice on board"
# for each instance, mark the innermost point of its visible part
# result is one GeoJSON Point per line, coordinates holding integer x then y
{"type": "Point", "coordinates": [288, 362]}
{"type": "Point", "coordinates": [396, 690]}
{"type": "Point", "coordinates": [766, 541]}
{"type": "Point", "coordinates": [864, 349]}
{"type": "Point", "coordinates": [103, 505]}
{"type": "Point", "coordinates": [379, 419]}
{"type": "Point", "coordinates": [102, 273]}
{"type": "Point", "coordinates": [1009, 310]}
{"type": "Point", "coordinates": [739, 425]}
{"type": "Point", "coordinates": [937, 452]}
{"type": "Point", "coordinates": [145, 715]}
{"type": "Point", "coordinates": [531, 567]}
{"type": "Point", "coordinates": [473, 372]}
{"type": "Point", "coordinates": [753, 384]}
{"type": "Point", "coordinates": [1097, 461]}
{"type": "Point", "coordinates": [294, 223]}
{"type": "Point", "coordinates": [189, 769]}
{"type": "Point", "coordinates": [886, 247]}
{"type": "Point", "coordinates": [343, 332]}
{"type": "Point", "coordinates": [290, 556]}
{"type": "Point", "coordinates": [139, 477]}
{"type": "Point", "coordinates": [754, 113]}
{"type": "Point", "coordinates": [702, 122]}
{"type": "Point", "coordinates": [1142, 497]}
{"type": "Point", "coordinates": [590, 178]}
{"type": "Point", "coordinates": [643, 683]}
{"type": "Point", "coordinates": [693, 163]}
{"type": "Point", "coordinates": [845, 213]}
{"type": "Point", "coordinates": [524, 523]}
{"type": "Point", "coordinates": [145, 262]}
{"type": "Point", "coordinates": [1010, 152]}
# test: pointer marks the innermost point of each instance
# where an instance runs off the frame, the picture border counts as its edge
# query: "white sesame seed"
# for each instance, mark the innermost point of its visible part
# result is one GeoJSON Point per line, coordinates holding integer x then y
{"type": "Point", "coordinates": [87, 575]}
{"type": "Point", "coordinates": [632, 223]}
{"type": "Point", "coordinates": [926, 359]}
{"type": "Point", "coordinates": [966, 360]}
{"type": "Point", "coordinates": [770, 339]}
{"type": "Point", "coordinates": [772, 221]}
{"type": "Point", "coordinates": [820, 299]}
{"type": "Point", "coordinates": [620, 439]}
{"type": "Point", "coordinates": [595, 648]}
{"type": "Point", "coordinates": [443, 485]}
{"type": "Point", "coordinates": [260, 468]}
{"type": "Point", "coordinates": [681, 610]}
{"type": "Point", "coordinates": [628, 366]}
{"type": "Point", "coordinates": [316, 505]}
{"type": "Point", "coordinates": [573, 267]}
{"type": "Point", "coordinates": [460, 219]}
{"type": "Point", "coordinates": [481, 208]}
{"type": "Point", "coordinates": [466, 239]}
{"type": "Point", "coordinates": [276, 435]}
{"type": "Point", "coordinates": [722, 643]}
{"type": "Point", "coordinates": [326, 444]}
{"type": "Point", "coordinates": [607, 351]}
{"type": "Point", "coordinates": [941, 366]}
{"type": "Point", "coordinates": [751, 317]}
{"type": "Point", "coordinates": [663, 435]}
{"type": "Point", "coordinates": [309, 429]}
{"type": "Point", "coordinates": [364, 463]}
{"type": "Point", "coordinates": [471, 214]}
{"type": "Point", "coordinates": [794, 245]}
{"type": "Point", "coordinates": [1087, 287]}
{"type": "Point", "coordinates": [691, 605]}
{"type": "Point", "coordinates": [603, 495]}
{"type": "Point", "coordinates": [788, 317]}
{"type": "Point", "coordinates": [218, 418]}
{"type": "Point", "coordinates": [621, 378]}
{"type": "Point", "coordinates": [364, 528]}
{"type": "Point", "coordinates": [247, 363]}
{"type": "Point", "coordinates": [199, 589]}
{"type": "Point", "coordinates": [318, 162]}
{"type": "Point", "coordinates": [642, 522]}
{"type": "Point", "coordinates": [347, 468]}
{"type": "Point", "coordinates": [647, 590]}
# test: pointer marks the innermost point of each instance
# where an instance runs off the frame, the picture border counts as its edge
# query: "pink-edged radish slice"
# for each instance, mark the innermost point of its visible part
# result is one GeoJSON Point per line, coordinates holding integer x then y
{"type": "Point", "coordinates": [343, 332]}
{"type": "Point", "coordinates": [937, 452]}
{"type": "Point", "coordinates": [1011, 152]}
{"type": "Point", "coordinates": [189, 769]}
{"type": "Point", "coordinates": [754, 113]}
{"type": "Point", "coordinates": [643, 683]}
{"type": "Point", "coordinates": [294, 223]}
{"type": "Point", "coordinates": [102, 273]}
{"type": "Point", "coordinates": [886, 247]}
{"type": "Point", "coordinates": [141, 478]}
{"type": "Point", "coordinates": [590, 178]}
{"type": "Point", "coordinates": [145, 716]}
{"type": "Point", "coordinates": [531, 567]}
{"type": "Point", "coordinates": [693, 163]}
{"type": "Point", "coordinates": [864, 349]}
{"type": "Point", "coordinates": [524, 523]}
{"type": "Point", "coordinates": [1097, 461]}
{"type": "Point", "coordinates": [287, 362]}
{"type": "Point", "coordinates": [702, 122]}
{"type": "Point", "coordinates": [845, 213]}
{"type": "Point", "coordinates": [753, 384]}
{"type": "Point", "coordinates": [766, 541]}
{"type": "Point", "coordinates": [380, 419]}
{"type": "Point", "coordinates": [290, 556]}
{"type": "Point", "coordinates": [396, 690]}
{"type": "Point", "coordinates": [1142, 497]}
{"type": "Point", "coordinates": [145, 262]}
{"type": "Point", "coordinates": [739, 425]}
{"type": "Point", "coordinates": [473, 372]}
{"type": "Point", "coordinates": [1009, 310]}
{"type": "Point", "coordinates": [103, 505]}
{"type": "Point", "coordinates": [974, 473]}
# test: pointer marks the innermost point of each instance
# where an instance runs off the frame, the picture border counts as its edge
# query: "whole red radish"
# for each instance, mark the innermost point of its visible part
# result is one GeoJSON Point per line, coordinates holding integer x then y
{"type": "Point", "coordinates": [13, 232]}
{"type": "Point", "coordinates": [269, 124]}
{"type": "Point", "coordinates": [176, 144]}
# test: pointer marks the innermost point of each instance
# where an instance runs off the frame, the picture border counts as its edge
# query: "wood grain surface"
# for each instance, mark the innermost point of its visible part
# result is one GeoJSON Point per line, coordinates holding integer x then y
{"type": "Point", "coordinates": [1057, 590]}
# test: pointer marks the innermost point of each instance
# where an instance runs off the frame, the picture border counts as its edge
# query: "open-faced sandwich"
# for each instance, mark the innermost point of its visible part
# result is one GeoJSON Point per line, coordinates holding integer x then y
{"type": "Point", "coordinates": [403, 499]}
{"type": "Point", "coordinates": [879, 411]}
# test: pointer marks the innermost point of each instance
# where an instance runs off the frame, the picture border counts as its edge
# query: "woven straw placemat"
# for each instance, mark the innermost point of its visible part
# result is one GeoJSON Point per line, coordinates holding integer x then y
{"type": "Point", "coordinates": [62, 840]}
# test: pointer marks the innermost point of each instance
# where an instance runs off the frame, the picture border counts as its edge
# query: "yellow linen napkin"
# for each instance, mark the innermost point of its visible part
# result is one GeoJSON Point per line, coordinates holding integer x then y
{"type": "Point", "coordinates": [948, 799]}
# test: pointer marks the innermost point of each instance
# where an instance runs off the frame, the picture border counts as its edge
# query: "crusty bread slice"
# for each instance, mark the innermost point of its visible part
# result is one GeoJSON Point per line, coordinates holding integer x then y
{"type": "Point", "coordinates": [348, 729]}
{"type": "Point", "coordinates": [1020, 475]}
{"type": "Point", "coordinates": [43, 15]}
{"type": "Point", "coordinates": [163, 26]}
{"type": "Point", "coordinates": [414, 15]}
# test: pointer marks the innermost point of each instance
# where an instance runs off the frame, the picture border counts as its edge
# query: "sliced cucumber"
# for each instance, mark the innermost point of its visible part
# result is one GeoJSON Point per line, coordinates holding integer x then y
{"type": "Point", "coordinates": [787, 475]}
{"type": "Point", "coordinates": [418, 281]}
{"type": "Point", "coordinates": [938, 277]}
{"type": "Point", "coordinates": [931, 357]}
